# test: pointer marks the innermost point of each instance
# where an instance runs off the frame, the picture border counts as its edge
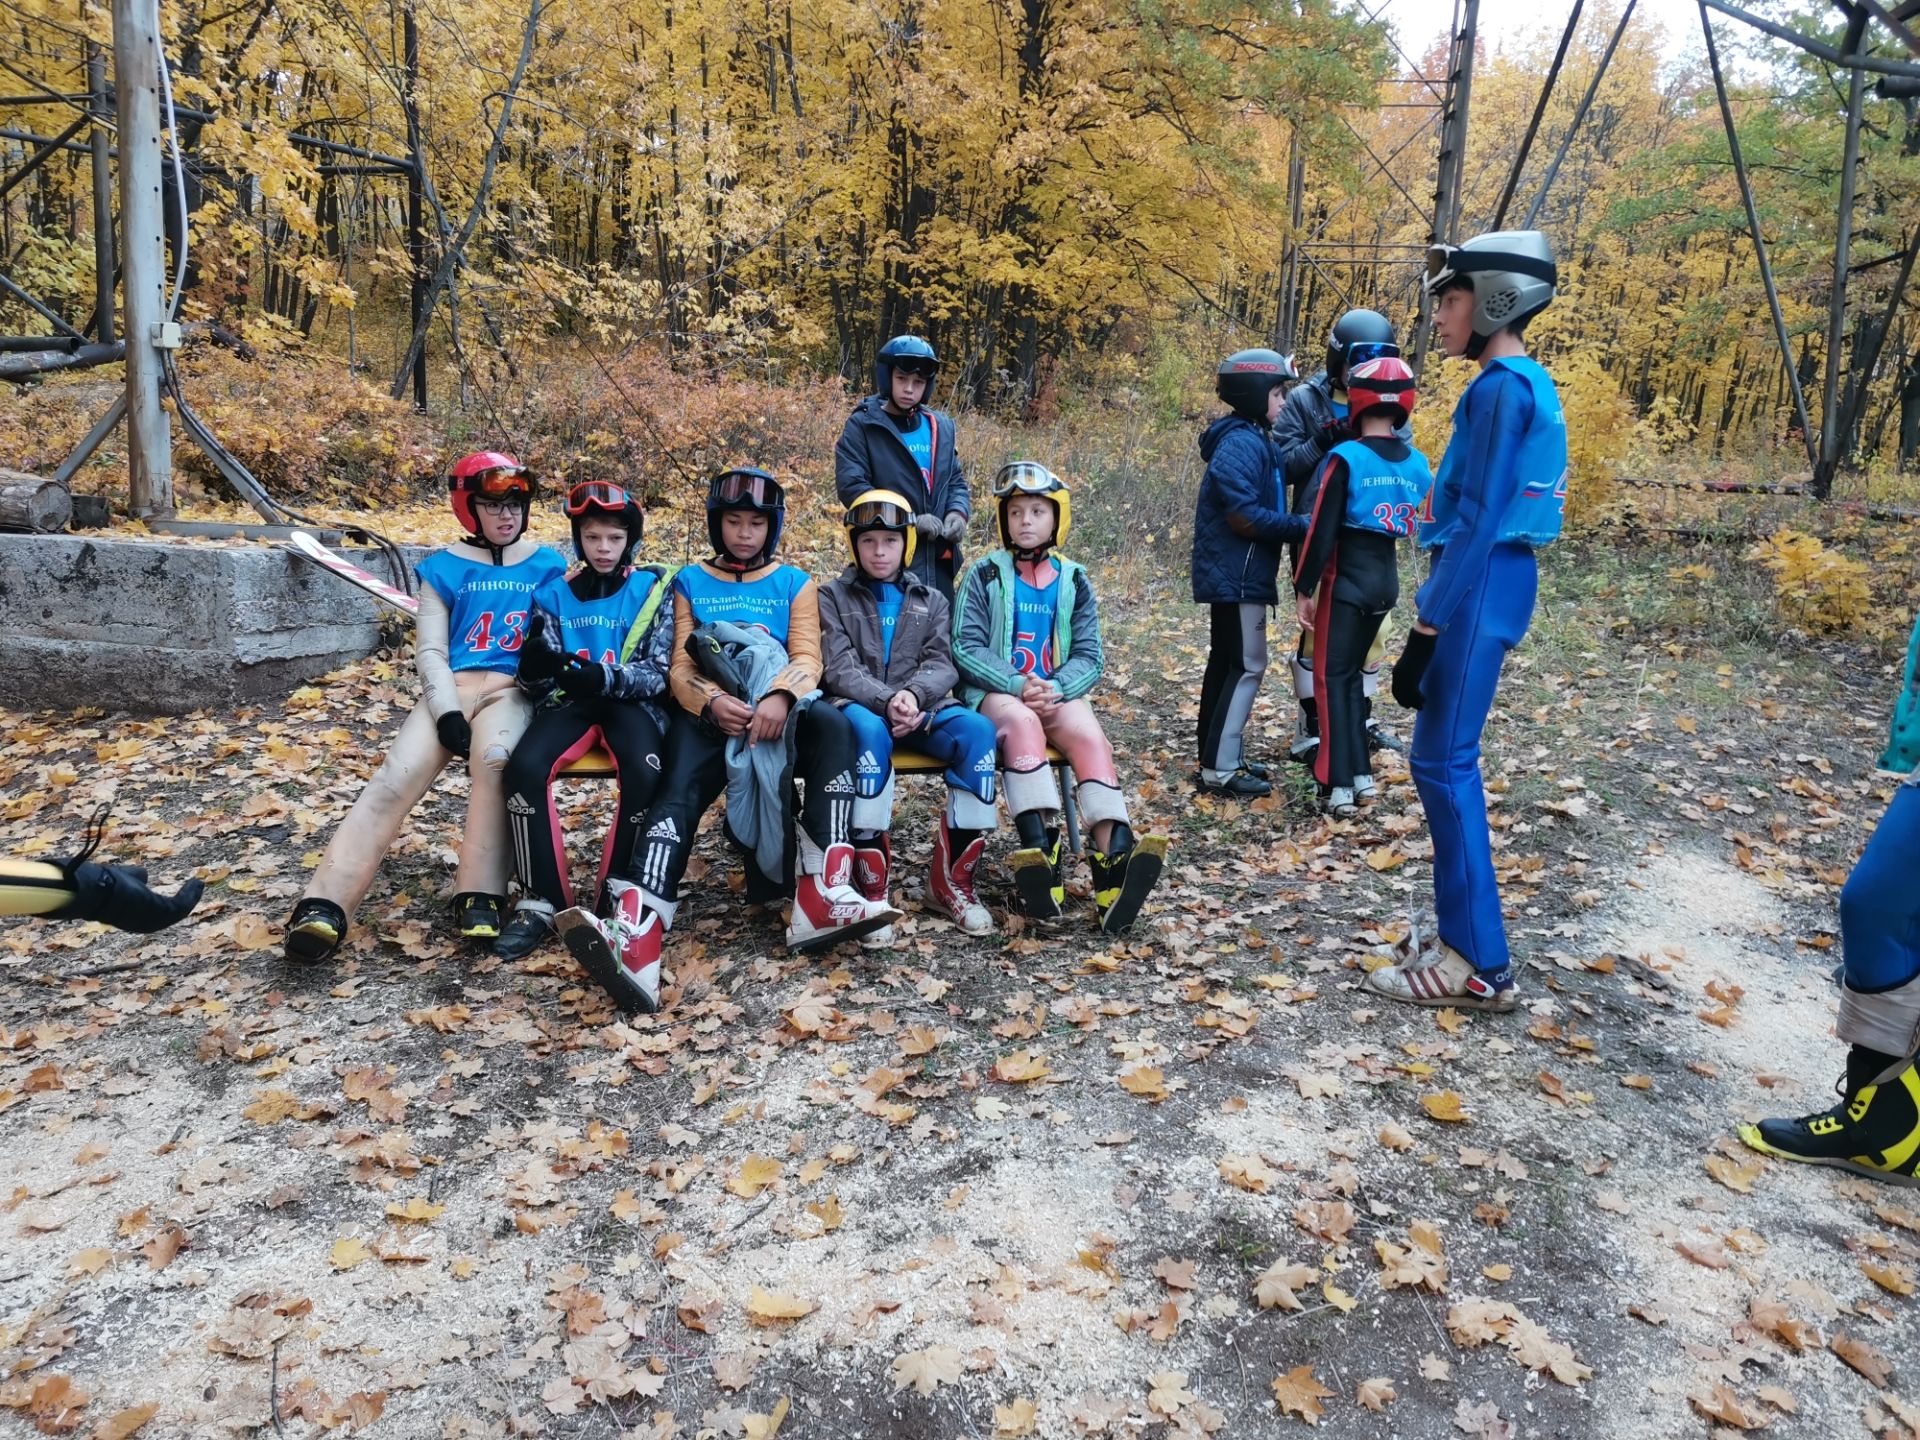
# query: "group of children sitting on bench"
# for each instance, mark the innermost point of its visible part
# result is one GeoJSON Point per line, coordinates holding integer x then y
{"type": "Point", "coordinates": [741, 674]}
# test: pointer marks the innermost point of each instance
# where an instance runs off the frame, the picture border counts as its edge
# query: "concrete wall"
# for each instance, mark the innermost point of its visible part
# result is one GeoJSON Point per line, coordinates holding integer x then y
{"type": "Point", "coordinates": [165, 627]}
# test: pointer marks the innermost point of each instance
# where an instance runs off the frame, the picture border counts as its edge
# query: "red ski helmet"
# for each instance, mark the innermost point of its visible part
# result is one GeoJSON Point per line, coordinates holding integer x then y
{"type": "Point", "coordinates": [489, 475]}
{"type": "Point", "coordinates": [1382, 384]}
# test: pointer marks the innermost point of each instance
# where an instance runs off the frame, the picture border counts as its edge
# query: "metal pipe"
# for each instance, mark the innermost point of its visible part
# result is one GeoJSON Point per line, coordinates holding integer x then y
{"type": "Point", "coordinates": [1539, 112]}
{"type": "Point", "coordinates": [1759, 240]}
{"type": "Point", "coordinates": [137, 58]}
{"type": "Point", "coordinates": [1830, 438]}
{"type": "Point", "coordinates": [40, 157]}
{"type": "Point", "coordinates": [39, 308]}
{"type": "Point", "coordinates": [30, 137]}
{"type": "Point", "coordinates": [104, 263]}
{"type": "Point", "coordinates": [1814, 47]}
{"type": "Point", "coordinates": [1586, 101]}
{"type": "Point", "coordinates": [116, 412]}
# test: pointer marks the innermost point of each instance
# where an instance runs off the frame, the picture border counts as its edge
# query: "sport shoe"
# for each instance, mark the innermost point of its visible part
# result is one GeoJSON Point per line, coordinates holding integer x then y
{"type": "Point", "coordinates": [621, 952]}
{"type": "Point", "coordinates": [315, 930]}
{"type": "Point", "coordinates": [477, 915]}
{"type": "Point", "coordinates": [1337, 801]}
{"type": "Point", "coordinates": [952, 881]}
{"type": "Point", "coordinates": [1364, 788]}
{"type": "Point", "coordinates": [1242, 784]}
{"type": "Point", "coordinates": [826, 907]}
{"type": "Point", "coordinates": [1873, 1131]}
{"type": "Point", "coordinates": [525, 933]}
{"type": "Point", "coordinates": [1442, 976]}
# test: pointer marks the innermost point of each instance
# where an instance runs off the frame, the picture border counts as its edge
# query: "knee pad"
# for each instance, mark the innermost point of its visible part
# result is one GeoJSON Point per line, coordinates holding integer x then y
{"type": "Point", "coordinates": [1030, 789]}
{"type": "Point", "coordinates": [1302, 678]}
{"type": "Point", "coordinates": [1099, 801]}
{"type": "Point", "coordinates": [1885, 1020]}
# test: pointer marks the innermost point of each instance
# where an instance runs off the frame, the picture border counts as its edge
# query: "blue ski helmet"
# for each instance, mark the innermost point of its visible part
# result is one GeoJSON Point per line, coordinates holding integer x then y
{"type": "Point", "coordinates": [906, 352]}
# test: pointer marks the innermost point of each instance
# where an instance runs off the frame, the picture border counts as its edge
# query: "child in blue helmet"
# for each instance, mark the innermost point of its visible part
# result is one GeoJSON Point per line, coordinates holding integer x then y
{"type": "Point", "coordinates": [1497, 500]}
{"type": "Point", "coordinates": [895, 441]}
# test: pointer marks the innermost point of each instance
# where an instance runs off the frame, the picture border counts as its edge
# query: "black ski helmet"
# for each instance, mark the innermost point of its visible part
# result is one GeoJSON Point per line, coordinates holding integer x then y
{"type": "Point", "coordinates": [1247, 377]}
{"type": "Point", "coordinates": [745, 487]}
{"type": "Point", "coordinates": [588, 499]}
{"type": "Point", "coordinates": [1356, 327]}
{"type": "Point", "coordinates": [908, 352]}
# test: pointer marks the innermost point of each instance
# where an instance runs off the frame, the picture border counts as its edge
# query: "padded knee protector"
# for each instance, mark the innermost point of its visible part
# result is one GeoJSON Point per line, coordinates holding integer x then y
{"type": "Point", "coordinates": [1885, 1020]}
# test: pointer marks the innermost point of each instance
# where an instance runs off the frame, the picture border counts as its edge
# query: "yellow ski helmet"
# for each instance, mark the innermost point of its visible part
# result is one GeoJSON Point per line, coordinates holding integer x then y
{"type": "Point", "coordinates": [1030, 477]}
{"type": "Point", "coordinates": [879, 510]}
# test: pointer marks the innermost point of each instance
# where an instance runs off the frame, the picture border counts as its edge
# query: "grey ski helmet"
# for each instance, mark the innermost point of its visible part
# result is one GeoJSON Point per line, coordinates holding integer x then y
{"type": "Point", "coordinates": [1358, 327]}
{"type": "Point", "coordinates": [1247, 377]}
{"type": "Point", "coordinates": [1512, 274]}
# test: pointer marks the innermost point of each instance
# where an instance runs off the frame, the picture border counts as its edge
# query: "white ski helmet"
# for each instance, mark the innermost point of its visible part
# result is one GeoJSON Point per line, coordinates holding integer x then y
{"type": "Point", "coordinates": [1512, 274]}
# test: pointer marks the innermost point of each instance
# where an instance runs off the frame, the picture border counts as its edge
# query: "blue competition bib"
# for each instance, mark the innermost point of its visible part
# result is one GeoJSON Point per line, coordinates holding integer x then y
{"type": "Point", "coordinates": [765, 604]}
{"type": "Point", "coordinates": [889, 599]}
{"type": "Point", "coordinates": [919, 443]}
{"type": "Point", "coordinates": [1383, 495]}
{"type": "Point", "coordinates": [487, 604]}
{"type": "Point", "coordinates": [595, 629]}
{"type": "Point", "coordinates": [1033, 616]}
{"type": "Point", "coordinates": [1534, 514]}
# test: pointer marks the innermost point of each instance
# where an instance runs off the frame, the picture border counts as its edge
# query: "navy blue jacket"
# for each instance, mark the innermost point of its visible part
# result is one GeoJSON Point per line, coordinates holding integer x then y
{"type": "Point", "coordinates": [1240, 521]}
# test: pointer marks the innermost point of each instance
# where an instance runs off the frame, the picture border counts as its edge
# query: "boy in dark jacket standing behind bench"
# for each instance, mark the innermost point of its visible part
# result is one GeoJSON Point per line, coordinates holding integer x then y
{"type": "Point", "coordinates": [1239, 524]}
{"type": "Point", "coordinates": [893, 441]}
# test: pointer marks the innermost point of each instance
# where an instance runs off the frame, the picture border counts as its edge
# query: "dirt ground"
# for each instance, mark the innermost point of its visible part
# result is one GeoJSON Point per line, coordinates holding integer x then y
{"type": "Point", "coordinates": [1186, 1183]}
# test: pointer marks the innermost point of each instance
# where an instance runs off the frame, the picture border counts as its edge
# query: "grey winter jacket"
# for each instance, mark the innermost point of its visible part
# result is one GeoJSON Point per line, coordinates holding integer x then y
{"type": "Point", "coordinates": [871, 456]}
{"type": "Point", "coordinates": [760, 777]}
{"type": "Point", "coordinates": [922, 657]}
{"type": "Point", "coordinates": [1297, 434]}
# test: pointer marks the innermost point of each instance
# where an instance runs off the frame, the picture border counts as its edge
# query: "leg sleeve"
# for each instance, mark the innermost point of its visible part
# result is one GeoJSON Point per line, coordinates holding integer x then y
{"type": "Point", "coordinates": [824, 746]}
{"type": "Point", "coordinates": [499, 714]}
{"type": "Point", "coordinates": [1445, 754]}
{"type": "Point", "coordinates": [693, 772]}
{"type": "Point", "coordinates": [872, 769]}
{"type": "Point", "coordinates": [634, 741]}
{"type": "Point", "coordinates": [354, 853]}
{"type": "Point", "coordinates": [964, 742]}
{"type": "Point", "coordinates": [1025, 775]}
{"type": "Point", "coordinates": [1075, 730]}
{"type": "Point", "coordinates": [553, 738]}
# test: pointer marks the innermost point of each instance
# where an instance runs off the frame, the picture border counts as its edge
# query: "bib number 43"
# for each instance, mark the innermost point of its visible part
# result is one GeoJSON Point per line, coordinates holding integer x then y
{"type": "Point", "coordinates": [482, 638]}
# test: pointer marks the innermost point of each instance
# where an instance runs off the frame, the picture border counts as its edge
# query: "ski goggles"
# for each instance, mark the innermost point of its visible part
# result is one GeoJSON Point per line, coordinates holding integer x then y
{"type": "Point", "coordinates": [915, 365]}
{"type": "Point", "coordinates": [596, 495]}
{"type": "Point", "coordinates": [1446, 262]}
{"type": "Point", "coordinates": [500, 483]}
{"type": "Point", "coordinates": [879, 515]}
{"type": "Point", "coordinates": [1362, 351]}
{"type": "Point", "coordinates": [1025, 477]}
{"type": "Point", "coordinates": [744, 487]}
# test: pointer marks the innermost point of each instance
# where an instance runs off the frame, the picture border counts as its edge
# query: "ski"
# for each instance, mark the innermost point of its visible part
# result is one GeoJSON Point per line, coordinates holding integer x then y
{"type": "Point", "coordinates": [303, 544]}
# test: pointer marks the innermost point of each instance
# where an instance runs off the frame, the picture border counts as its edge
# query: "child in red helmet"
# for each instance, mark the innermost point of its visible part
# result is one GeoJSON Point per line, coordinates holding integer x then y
{"type": "Point", "coordinates": [1363, 499]}
{"type": "Point", "coordinates": [474, 597]}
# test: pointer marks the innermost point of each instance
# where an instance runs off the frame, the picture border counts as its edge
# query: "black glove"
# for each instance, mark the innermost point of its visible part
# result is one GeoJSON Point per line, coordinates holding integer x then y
{"type": "Point", "coordinates": [584, 678]}
{"type": "Point", "coordinates": [1411, 667]}
{"type": "Point", "coordinates": [541, 659]}
{"type": "Point", "coordinates": [117, 895]}
{"type": "Point", "coordinates": [455, 733]}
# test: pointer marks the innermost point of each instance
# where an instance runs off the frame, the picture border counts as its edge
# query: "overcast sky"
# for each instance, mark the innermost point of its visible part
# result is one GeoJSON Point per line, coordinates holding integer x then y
{"type": "Point", "coordinates": [1416, 22]}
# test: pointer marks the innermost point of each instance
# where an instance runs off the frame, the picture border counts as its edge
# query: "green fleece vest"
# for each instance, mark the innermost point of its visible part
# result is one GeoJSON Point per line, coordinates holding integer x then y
{"type": "Point", "coordinates": [1000, 638]}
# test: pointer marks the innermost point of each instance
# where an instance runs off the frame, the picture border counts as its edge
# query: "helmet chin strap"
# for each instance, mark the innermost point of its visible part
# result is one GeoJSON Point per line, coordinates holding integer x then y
{"type": "Point", "coordinates": [1476, 342]}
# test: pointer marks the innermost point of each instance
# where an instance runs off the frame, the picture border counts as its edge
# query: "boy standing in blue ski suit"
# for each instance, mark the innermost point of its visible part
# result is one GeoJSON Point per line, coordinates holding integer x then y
{"type": "Point", "coordinates": [1498, 499]}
